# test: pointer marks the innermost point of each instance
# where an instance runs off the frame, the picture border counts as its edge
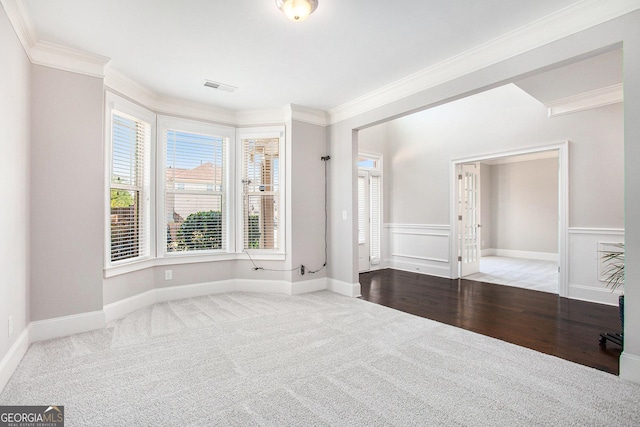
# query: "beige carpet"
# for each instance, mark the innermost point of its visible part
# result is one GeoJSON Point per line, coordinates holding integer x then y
{"type": "Point", "coordinates": [314, 359]}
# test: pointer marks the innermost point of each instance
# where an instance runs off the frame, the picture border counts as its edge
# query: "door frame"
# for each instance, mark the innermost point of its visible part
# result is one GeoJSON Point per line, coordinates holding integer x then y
{"type": "Point", "coordinates": [563, 207]}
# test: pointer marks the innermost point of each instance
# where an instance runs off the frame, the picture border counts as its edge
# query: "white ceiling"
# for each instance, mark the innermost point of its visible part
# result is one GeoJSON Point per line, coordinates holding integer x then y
{"type": "Point", "coordinates": [346, 49]}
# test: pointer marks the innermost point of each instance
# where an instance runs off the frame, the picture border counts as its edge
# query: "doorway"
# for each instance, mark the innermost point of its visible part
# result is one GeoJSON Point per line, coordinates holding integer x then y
{"type": "Point", "coordinates": [369, 211]}
{"type": "Point", "coordinates": [507, 266]}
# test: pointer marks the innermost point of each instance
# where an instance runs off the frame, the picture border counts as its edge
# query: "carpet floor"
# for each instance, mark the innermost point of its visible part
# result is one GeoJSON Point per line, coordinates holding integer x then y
{"type": "Point", "coordinates": [313, 359]}
{"type": "Point", "coordinates": [531, 274]}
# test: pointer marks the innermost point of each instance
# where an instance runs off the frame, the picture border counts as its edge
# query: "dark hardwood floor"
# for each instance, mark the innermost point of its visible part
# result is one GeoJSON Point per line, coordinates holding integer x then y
{"type": "Point", "coordinates": [562, 327]}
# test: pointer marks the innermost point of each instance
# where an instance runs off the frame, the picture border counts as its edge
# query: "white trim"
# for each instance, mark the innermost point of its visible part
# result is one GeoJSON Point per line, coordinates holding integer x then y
{"type": "Point", "coordinates": [305, 115]}
{"type": "Point", "coordinates": [12, 359]}
{"type": "Point", "coordinates": [593, 294]}
{"type": "Point", "coordinates": [121, 308]}
{"type": "Point", "coordinates": [118, 82]}
{"type": "Point", "coordinates": [22, 23]}
{"type": "Point", "coordinates": [420, 233]}
{"type": "Point", "coordinates": [343, 288]}
{"type": "Point", "coordinates": [57, 327]}
{"type": "Point", "coordinates": [68, 59]}
{"type": "Point", "coordinates": [563, 207]}
{"type": "Point", "coordinates": [599, 231]}
{"type": "Point", "coordinates": [420, 268]}
{"type": "Point", "coordinates": [562, 23]}
{"type": "Point", "coordinates": [308, 286]}
{"type": "Point", "coordinates": [424, 258]}
{"type": "Point", "coordinates": [630, 367]}
{"type": "Point", "coordinates": [419, 226]}
{"type": "Point", "coordinates": [587, 100]}
{"type": "Point", "coordinates": [259, 117]}
{"type": "Point", "coordinates": [542, 256]}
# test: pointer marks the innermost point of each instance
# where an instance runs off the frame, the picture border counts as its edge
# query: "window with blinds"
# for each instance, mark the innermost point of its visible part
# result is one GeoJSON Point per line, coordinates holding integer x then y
{"type": "Point", "coordinates": [129, 187]}
{"type": "Point", "coordinates": [261, 193]}
{"type": "Point", "coordinates": [194, 204]}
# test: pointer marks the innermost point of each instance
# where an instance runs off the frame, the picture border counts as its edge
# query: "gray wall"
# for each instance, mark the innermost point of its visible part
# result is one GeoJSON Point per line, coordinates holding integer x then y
{"type": "Point", "coordinates": [14, 175]}
{"type": "Point", "coordinates": [524, 205]}
{"type": "Point", "coordinates": [306, 198]}
{"type": "Point", "coordinates": [67, 193]}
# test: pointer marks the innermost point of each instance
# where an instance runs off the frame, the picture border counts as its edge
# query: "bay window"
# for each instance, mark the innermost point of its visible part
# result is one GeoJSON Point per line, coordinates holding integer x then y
{"type": "Point", "coordinates": [181, 190]}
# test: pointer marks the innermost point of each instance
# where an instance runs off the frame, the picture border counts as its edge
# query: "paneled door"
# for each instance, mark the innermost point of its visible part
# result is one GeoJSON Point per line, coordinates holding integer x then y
{"type": "Point", "coordinates": [469, 218]}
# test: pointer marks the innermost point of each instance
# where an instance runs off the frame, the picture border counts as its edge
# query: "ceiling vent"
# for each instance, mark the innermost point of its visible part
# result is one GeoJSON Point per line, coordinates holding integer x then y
{"type": "Point", "coordinates": [219, 86]}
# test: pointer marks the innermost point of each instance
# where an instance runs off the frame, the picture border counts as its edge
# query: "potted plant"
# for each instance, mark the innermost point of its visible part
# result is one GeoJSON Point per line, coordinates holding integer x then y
{"type": "Point", "coordinates": [613, 273]}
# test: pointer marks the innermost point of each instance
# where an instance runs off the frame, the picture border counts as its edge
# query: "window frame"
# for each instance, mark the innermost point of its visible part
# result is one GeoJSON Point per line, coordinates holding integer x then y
{"type": "Point", "coordinates": [260, 133]}
{"type": "Point", "coordinates": [164, 124]}
{"type": "Point", "coordinates": [114, 103]}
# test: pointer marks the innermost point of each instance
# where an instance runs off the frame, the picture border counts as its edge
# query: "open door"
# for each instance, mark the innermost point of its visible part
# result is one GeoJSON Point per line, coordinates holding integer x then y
{"type": "Point", "coordinates": [469, 217]}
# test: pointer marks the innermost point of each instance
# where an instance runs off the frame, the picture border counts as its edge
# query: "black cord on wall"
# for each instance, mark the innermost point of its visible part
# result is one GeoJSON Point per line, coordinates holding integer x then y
{"type": "Point", "coordinates": [301, 267]}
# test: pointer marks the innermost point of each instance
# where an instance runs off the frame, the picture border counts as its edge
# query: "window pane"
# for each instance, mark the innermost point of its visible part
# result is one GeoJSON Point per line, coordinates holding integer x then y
{"type": "Point", "coordinates": [261, 188]}
{"type": "Point", "coordinates": [130, 210]}
{"type": "Point", "coordinates": [125, 232]}
{"type": "Point", "coordinates": [194, 191]}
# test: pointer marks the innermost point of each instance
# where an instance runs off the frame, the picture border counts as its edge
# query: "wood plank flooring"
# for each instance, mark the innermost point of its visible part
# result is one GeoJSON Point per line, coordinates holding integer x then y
{"type": "Point", "coordinates": [562, 327]}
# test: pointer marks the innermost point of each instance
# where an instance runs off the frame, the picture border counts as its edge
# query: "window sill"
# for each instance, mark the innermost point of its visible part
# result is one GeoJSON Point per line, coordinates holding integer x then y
{"type": "Point", "coordinates": [189, 259]}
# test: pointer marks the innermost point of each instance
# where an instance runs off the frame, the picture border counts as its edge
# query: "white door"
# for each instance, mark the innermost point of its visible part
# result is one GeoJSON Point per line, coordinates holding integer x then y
{"type": "Point", "coordinates": [469, 218]}
{"type": "Point", "coordinates": [364, 255]}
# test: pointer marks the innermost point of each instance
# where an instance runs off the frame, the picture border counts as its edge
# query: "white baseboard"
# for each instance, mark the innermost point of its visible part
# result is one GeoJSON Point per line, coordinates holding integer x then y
{"type": "Point", "coordinates": [422, 268]}
{"type": "Point", "coordinates": [308, 286]}
{"type": "Point", "coordinates": [542, 256]}
{"type": "Point", "coordinates": [344, 288]}
{"type": "Point", "coordinates": [196, 290]}
{"type": "Point", "coordinates": [592, 294]}
{"type": "Point", "coordinates": [42, 330]}
{"type": "Point", "coordinates": [630, 367]}
{"type": "Point", "coordinates": [119, 309]}
{"type": "Point", "coordinates": [12, 359]}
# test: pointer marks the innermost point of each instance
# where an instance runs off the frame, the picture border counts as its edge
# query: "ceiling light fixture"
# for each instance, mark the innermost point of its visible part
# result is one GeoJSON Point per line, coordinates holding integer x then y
{"type": "Point", "coordinates": [297, 10]}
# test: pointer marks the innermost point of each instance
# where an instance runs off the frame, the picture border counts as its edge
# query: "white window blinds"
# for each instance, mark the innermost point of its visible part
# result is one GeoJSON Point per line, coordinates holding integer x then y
{"type": "Point", "coordinates": [376, 217]}
{"type": "Point", "coordinates": [362, 209]}
{"type": "Point", "coordinates": [129, 188]}
{"type": "Point", "coordinates": [261, 193]}
{"type": "Point", "coordinates": [194, 203]}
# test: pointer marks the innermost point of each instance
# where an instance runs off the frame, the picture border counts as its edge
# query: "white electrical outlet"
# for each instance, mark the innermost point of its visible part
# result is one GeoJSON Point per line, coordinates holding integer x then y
{"type": "Point", "coordinates": [168, 274]}
{"type": "Point", "coordinates": [10, 322]}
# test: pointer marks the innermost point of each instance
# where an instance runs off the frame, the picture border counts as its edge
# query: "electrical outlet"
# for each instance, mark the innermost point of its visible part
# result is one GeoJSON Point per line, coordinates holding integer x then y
{"type": "Point", "coordinates": [302, 270]}
{"type": "Point", "coordinates": [10, 324]}
{"type": "Point", "coordinates": [168, 274]}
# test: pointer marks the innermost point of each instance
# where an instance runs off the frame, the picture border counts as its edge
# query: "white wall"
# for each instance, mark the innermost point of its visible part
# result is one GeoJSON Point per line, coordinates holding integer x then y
{"type": "Point", "coordinates": [67, 193]}
{"type": "Point", "coordinates": [524, 205]}
{"type": "Point", "coordinates": [14, 174]}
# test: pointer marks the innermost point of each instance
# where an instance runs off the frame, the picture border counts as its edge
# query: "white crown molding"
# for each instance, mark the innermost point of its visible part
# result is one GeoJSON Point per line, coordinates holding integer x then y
{"type": "Point", "coordinates": [259, 117]}
{"type": "Point", "coordinates": [306, 115]}
{"type": "Point", "coordinates": [565, 22]}
{"type": "Point", "coordinates": [22, 24]}
{"type": "Point", "coordinates": [587, 100]}
{"type": "Point", "coordinates": [67, 59]}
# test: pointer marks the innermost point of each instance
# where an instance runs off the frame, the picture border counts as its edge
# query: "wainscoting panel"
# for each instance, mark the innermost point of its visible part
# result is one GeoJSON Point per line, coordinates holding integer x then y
{"type": "Point", "coordinates": [585, 246]}
{"type": "Point", "coordinates": [422, 248]}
